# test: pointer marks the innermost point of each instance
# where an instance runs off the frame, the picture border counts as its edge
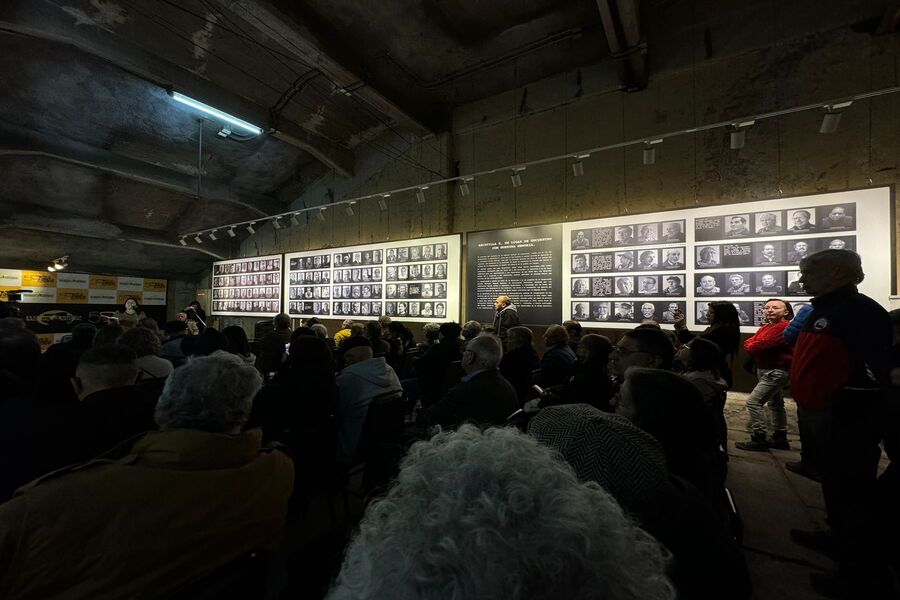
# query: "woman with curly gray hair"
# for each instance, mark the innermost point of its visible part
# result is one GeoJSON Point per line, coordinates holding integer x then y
{"type": "Point", "coordinates": [495, 514]}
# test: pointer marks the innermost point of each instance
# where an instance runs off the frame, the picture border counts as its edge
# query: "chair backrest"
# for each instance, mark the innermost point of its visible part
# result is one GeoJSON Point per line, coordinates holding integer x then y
{"type": "Point", "coordinates": [379, 443]}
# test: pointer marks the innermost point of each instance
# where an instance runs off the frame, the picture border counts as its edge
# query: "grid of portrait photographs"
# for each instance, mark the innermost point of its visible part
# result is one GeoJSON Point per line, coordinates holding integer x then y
{"type": "Point", "coordinates": [793, 221]}
{"type": "Point", "coordinates": [769, 253]}
{"type": "Point", "coordinates": [626, 311]}
{"type": "Point", "coordinates": [247, 287]}
{"type": "Point", "coordinates": [638, 234]}
{"type": "Point", "coordinates": [356, 308]}
{"type": "Point", "coordinates": [655, 259]}
{"type": "Point", "coordinates": [309, 278]}
{"type": "Point", "coordinates": [669, 284]}
{"type": "Point", "coordinates": [363, 278]}
{"type": "Point", "coordinates": [422, 252]}
{"type": "Point", "coordinates": [306, 308]}
{"type": "Point", "coordinates": [425, 310]}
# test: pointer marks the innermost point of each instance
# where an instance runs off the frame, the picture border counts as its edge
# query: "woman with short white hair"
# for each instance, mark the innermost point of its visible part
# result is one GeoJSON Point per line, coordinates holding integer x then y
{"type": "Point", "coordinates": [497, 515]}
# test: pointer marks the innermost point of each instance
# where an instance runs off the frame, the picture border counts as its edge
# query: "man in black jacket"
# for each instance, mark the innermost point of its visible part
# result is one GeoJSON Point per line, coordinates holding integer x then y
{"type": "Point", "coordinates": [507, 316]}
{"type": "Point", "coordinates": [483, 395]}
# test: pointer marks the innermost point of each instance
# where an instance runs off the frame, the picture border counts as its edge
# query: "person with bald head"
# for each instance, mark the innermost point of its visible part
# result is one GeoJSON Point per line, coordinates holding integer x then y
{"type": "Point", "coordinates": [506, 316]}
{"type": "Point", "coordinates": [482, 396]}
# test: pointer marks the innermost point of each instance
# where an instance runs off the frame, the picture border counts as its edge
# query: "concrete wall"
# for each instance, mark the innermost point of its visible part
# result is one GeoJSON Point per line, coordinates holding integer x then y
{"type": "Point", "coordinates": [581, 109]}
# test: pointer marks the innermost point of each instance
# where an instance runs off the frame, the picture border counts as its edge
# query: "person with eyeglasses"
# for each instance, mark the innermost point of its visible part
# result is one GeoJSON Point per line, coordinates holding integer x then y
{"type": "Point", "coordinates": [644, 347]}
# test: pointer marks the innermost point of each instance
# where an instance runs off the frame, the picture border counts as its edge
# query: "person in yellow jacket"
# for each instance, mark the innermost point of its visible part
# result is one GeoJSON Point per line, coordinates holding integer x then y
{"type": "Point", "coordinates": [343, 333]}
{"type": "Point", "coordinates": [156, 513]}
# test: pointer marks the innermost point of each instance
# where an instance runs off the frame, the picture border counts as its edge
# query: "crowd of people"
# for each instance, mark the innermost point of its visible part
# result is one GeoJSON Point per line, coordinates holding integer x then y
{"type": "Point", "coordinates": [161, 456]}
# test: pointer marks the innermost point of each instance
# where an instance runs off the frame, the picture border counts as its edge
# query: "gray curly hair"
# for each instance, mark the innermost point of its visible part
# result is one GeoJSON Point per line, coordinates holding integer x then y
{"type": "Point", "coordinates": [495, 514]}
{"type": "Point", "coordinates": [213, 393]}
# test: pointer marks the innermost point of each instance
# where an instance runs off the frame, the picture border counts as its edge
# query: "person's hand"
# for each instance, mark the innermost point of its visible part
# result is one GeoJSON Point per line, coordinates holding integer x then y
{"type": "Point", "coordinates": [680, 323]}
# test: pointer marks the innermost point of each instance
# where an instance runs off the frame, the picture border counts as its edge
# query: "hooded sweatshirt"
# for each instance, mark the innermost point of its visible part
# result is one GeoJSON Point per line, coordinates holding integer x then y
{"type": "Point", "coordinates": [504, 319]}
{"type": "Point", "coordinates": [357, 385]}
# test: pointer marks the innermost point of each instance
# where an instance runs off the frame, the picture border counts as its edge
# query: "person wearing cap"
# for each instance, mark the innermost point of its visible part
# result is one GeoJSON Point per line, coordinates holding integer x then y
{"type": "Point", "coordinates": [630, 465]}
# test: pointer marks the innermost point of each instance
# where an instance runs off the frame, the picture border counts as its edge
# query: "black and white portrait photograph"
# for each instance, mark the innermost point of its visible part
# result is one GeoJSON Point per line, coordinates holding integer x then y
{"type": "Point", "coordinates": [673, 231]}
{"type": "Point", "coordinates": [624, 286]}
{"type": "Point", "coordinates": [794, 287]}
{"type": "Point", "coordinates": [707, 286]}
{"type": "Point", "coordinates": [768, 253]}
{"type": "Point", "coordinates": [579, 263]}
{"type": "Point", "coordinates": [600, 311]}
{"type": "Point", "coordinates": [648, 233]}
{"type": "Point", "coordinates": [837, 217]}
{"type": "Point", "coordinates": [737, 226]}
{"type": "Point", "coordinates": [625, 235]}
{"type": "Point", "coordinates": [708, 257]}
{"type": "Point", "coordinates": [648, 312]}
{"type": "Point", "coordinates": [580, 287]}
{"type": "Point", "coordinates": [624, 311]}
{"type": "Point", "coordinates": [674, 285]}
{"type": "Point", "coordinates": [625, 261]}
{"type": "Point", "coordinates": [647, 260]}
{"type": "Point", "coordinates": [768, 223]}
{"type": "Point", "coordinates": [802, 220]}
{"type": "Point", "coordinates": [737, 284]}
{"type": "Point", "coordinates": [580, 311]}
{"type": "Point", "coordinates": [648, 285]}
{"type": "Point", "coordinates": [769, 282]}
{"type": "Point", "coordinates": [798, 250]}
{"type": "Point", "coordinates": [673, 258]}
{"type": "Point", "coordinates": [580, 240]}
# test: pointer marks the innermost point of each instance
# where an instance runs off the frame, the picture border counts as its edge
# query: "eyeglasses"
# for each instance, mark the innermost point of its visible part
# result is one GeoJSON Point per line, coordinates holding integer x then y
{"type": "Point", "coordinates": [626, 351]}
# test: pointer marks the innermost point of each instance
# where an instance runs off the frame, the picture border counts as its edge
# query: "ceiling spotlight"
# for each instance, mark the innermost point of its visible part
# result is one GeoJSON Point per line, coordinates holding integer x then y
{"type": "Point", "coordinates": [214, 112]}
{"type": "Point", "coordinates": [578, 165]}
{"type": "Point", "coordinates": [516, 177]}
{"type": "Point", "coordinates": [348, 208]}
{"type": "Point", "coordinates": [212, 235]}
{"type": "Point", "coordinates": [464, 185]}
{"type": "Point", "coordinates": [276, 223]}
{"type": "Point", "coordinates": [294, 221]}
{"type": "Point", "coordinates": [382, 202]}
{"type": "Point", "coordinates": [420, 194]}
{"type": "Point", "coordinates": [198, 239]}
{"type": "Point", "coordinates": [832, 117]}
{"type": "Point", "coordinates": [250, 229]}
{"type": "Point", "coordinates": [739, 134]}
{"type": "Point", "coordinates": [58, 264]}
{"type": "Point", "coordinates": [650, 151]}
{"type": "Point", "coordinates": [321, 215]}
{"type": "Point", "coordinates": [182, 241]}
{"type": "Point", "coordinates": [231, 232]}
{"type": "Point", "coordinates": [51, 268]}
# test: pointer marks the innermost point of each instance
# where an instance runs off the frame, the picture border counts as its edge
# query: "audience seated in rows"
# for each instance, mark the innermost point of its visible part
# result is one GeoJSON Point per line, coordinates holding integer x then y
{"type": "Point", "coordinates": [470, 330]}
{"type": "Point", "coordinates": [700, 361]}
{"type": "Point", "coordinates": [238, 344]}
{"type": "Point", "coordinates": [558, 358]}
{"type": "Point", "coordinates": [630, 464]}
{"type": "Point", "coordinates": [163, 512]}
{"type": "Point", "coordinates": [342, 333]}
{"type": "Point", "coordinates": [108, 333]}
{"type": "Point", "coordinates": [574, 329]}
{"type": "Point", "coordinates": [175, 331]}
{"type": "Point", "coordinates": [640, 347]}
{"type": "Point", "coordinates": [322, 331]}
{"type": "Point", "coordinates": [380, 347]}
{"type": "Point", "coordinates": [146, 347]}
{"type": "Point", "coordinates": [482, 396]}
{"type": "Point", "coordinates": [724, 330]}
{"type": "Point", "coordinates": [519, 362]}
{"type": "Point", "coordinates": [59, 361]}
{"type": "Point", "coordinates": [359, 382]}
{"type": "Point", "coordinates": [431, 333]}
{"type": "Point", "coordinates": [590, 382]}
{"type": "Point", "coordinates": [495, 514]}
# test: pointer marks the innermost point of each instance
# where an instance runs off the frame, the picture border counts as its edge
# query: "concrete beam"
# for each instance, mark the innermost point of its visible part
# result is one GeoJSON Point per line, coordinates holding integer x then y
{"type": "Point", "coordinates": [47, 21]}
{"type": "Point", "coordinates": [621, 23]}
{"type": "Point", "coordinates": [19, 141]}
{"type": "Point", "coordinates": [300, 39]}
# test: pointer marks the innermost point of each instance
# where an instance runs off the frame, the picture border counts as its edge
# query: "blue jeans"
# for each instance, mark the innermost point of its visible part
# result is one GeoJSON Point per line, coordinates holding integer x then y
{"type": "Point", "coordinates": [768, 392]}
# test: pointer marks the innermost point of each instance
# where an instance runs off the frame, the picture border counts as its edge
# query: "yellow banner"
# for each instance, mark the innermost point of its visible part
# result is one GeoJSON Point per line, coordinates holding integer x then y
{"type": "Point", "coordinates": [103, 282]}
{"type": "Point", "coordinates": [45, 340]}
{"type": "Point", "coordinates": [38, 279]}
{"type": "Point", "coordinates": [154, 285]}
{"type": "Point", "coordinates": [121, 297]}
{"type": "Point", "coordinates": [64, 296]}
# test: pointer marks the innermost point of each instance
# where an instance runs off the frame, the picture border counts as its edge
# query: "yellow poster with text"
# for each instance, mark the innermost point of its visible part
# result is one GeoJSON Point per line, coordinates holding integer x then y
{"type": "Point", "coordinates": [121, 297]}
{"type": "Point", "coordinates": [38, 279]}
{"type": "Point", "coordinates": [71, 296]}
{"type": "Point", "coordinates": [154, 285]}
{"type": "Point", "coordinates": [103, 282]}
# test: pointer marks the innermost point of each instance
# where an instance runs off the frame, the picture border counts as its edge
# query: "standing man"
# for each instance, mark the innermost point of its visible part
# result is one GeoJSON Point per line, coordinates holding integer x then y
{"type": "Point", "coordinates": [840, 371]}
{"type": "Point", "coordinates": [506, 316]}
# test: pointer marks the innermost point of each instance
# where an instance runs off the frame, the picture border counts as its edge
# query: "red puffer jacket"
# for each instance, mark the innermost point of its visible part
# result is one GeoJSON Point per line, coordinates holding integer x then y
{"type": "Point", "coordinates": [768, 348]}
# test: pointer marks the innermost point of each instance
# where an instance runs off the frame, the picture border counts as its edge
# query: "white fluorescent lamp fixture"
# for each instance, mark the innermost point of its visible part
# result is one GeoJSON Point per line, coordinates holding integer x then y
{"type": "Point", "coordinates": [321, 215]}
{"type": "Point", "coordinates": [250, 229]}
{"type": "Point", "coordinates": [739, 134]}
{"type": "Point", "coordinates": [832, 117]}
{"type": "Point", "coordinates": [51, 268]}
{"type": "Point", "coordinates": [516, 176]}
{"type": "Point", "coordinates": [231, 232]}
{"type": "Point", "coordinates": [382, 202]}
{"type": "Point", "coordinates": [348, 208]}
{"type": "Point", "coordinates": [276, 223]}
{"type": "Point", "coordinates": [212, 235]}
{"type": "Point", "coordinates": [464, 185]}
{"type": "Point", "coordinates": [182, 241]}
{"type": "Point", "coordinates": [650, 151]}
{"type": "Point", "coordinates": [198, 239]}
{"type": "Point", "coordinates": [420, 194]}
{"type": "Point", "coordinates": [578, 165]}
{"type": "Point", "coordinates": [214, 112]}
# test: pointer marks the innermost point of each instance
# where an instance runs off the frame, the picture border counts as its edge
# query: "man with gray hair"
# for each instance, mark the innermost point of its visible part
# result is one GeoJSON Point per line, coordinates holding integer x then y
{"type": "Point", "coordinates": [155, 516]}
{"type": "Point", "coordinates": [482, 396]}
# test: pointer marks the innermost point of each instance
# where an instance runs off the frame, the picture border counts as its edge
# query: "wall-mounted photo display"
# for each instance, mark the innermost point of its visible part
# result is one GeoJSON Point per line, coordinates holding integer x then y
{"type": "Point", "coordinates": [308, 263]}
{"type": "Point", "coordinates": [625, 311]}
{"type": "Point", "coordinates": [631, 234]}
{"type": "Point", "coordinates": [247, 287]}
{"type": "Point", "coordinates": [316, 308]}
{"type": "Point", "coordinates": [423, 310]}
{"type": "Point", "coordinates": [362, 278]}
{"type": "Point", "coordinates": [776, 222]}
{"type": "Point", "coordinates": [742, 253]}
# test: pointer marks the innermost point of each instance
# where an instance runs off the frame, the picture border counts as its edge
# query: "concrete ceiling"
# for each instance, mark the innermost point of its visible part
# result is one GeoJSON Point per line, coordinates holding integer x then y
{"type": "Point", "coordinates": [98, 162]}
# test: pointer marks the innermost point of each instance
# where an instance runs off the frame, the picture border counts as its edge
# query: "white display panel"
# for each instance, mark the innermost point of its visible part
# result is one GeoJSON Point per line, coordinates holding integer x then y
{"type": "Point", "coordinates": [247, 287]}
{"type": "Point", "coordinates": [412, 280]}
{"type": "Point", "coordinates": [621, 270]}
